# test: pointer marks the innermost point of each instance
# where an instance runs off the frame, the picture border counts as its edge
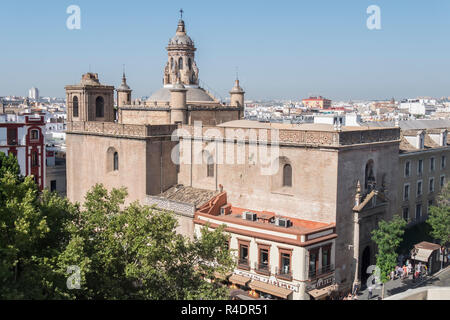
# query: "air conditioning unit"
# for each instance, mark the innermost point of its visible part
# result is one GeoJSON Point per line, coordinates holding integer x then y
{"type": "Point", "coordinates": [247, 215]}
{"type": "Point", "coordinates": [224, 210]}
{"type": "Point", "coordinates": [283, 222]}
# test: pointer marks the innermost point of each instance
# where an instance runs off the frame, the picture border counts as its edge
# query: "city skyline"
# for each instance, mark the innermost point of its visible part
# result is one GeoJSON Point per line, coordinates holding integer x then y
{"type": "Point", "coordinates": [286, 51]}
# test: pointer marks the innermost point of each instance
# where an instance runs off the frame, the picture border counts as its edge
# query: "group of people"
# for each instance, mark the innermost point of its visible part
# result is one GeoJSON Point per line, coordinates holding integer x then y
{"type": "Point", "coordinates": [407, 270]}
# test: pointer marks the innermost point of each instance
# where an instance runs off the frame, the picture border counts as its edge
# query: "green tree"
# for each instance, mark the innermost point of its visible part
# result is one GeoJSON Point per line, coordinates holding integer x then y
{"type": "Point", "coordinates": [31, 235]}
{"type": "Point", "coordinates": [439, 218]}
{"type": "Point", "coordinates": [134, 252]}
{"type": "Point", "coordinates": [388, 237]}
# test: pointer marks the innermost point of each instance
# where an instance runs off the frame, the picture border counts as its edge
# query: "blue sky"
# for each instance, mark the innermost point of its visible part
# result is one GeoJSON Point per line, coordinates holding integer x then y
{"type": "Point", "coordinates": [283, 49]}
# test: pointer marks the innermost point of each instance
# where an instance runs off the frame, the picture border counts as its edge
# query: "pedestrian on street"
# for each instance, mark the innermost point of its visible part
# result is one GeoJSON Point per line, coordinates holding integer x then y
{"type": "Point", "coordinates": [355, 289]}
{"type": "Point", "coordinates": [370, 292]}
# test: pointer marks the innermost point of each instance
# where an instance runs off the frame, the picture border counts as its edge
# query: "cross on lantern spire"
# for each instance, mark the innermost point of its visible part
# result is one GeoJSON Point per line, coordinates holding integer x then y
{"type": "Point", "coordinates": [181, 13]}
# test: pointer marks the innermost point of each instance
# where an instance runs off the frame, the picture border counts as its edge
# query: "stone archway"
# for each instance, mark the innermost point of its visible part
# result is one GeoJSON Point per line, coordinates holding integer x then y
{"type": "Point", "coordinates": [365, 263]}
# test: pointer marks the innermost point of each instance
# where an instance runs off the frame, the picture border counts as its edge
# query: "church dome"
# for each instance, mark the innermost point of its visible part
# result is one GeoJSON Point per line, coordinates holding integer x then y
{"type": "Point", "coordinates": [192, 95]}
{"type": "Point", "coordinates": [181, 38]}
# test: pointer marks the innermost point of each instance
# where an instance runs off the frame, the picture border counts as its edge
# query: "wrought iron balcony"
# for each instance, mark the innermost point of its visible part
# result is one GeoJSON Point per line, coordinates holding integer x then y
{"type": "Point", "coordinates": [243, 264]}
{"type": "Point", "coordinates": [283, 273]}
{"type": "Point", "coordinates": [324, 270]}
{"type": "Point", "coordinates": [262, 268]}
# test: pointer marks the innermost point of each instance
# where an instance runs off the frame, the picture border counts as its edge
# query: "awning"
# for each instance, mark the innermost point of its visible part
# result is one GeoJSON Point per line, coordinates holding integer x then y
{"type": "Point", "coordinates": [241, 280]}
{"type": "Point", "coordinates": [423, 254]}
{"type": "Point", "coordinates": [270, 288]}
{"type": "Point", "coordinates": [321, 293]}
{"type": "Point", "coordinates": [244, 297]}
{"type": "Point", "coordinates": [221, 276]}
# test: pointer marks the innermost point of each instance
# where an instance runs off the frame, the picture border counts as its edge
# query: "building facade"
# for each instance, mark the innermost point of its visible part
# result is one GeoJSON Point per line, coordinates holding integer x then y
{"type": "Point", "coordinates": [342, 178]}
{"type": "Point", "coordinates": [277, 257]}
{"type": "Point", "coordinates": [23, 136]}
{"type": "Point", "coordinates": [317, 103]}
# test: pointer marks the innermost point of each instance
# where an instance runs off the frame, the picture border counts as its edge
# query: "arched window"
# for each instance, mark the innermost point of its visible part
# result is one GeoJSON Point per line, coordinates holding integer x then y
{"type": "Point", "coordinates": [369, 176]}
{"type": "Point", "coordinates": [34, 134]}
{"type": "Point", "coordinates": [210, 167]}
{"type": "Point", "coordinates": [116, 161]}
{"type": "Point", "coordinates": [287, 175]}
{"type": "Point", "coordinates": [171, 64]}
{"type": "Point", "coordinates": [180, 63]}
{"type": "Point", "coordinates": [75, 106]}
{"type": "Point", "coordinates": [99, 107]}
{"type": "Point", "coordinates": [190, 64]}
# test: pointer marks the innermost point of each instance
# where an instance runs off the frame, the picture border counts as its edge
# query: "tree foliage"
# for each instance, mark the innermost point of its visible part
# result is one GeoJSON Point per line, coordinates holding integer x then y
{"type": "Point", "coordinates": [32, 235]}
{"type": "Point", "coordinates": [388, 237]}
{"type": "Point", "coordinates": [134, 252]}
{"type": "Point", "coordinates": [439, 217]}
{"type": "Point", "coordinates": [122, 252]}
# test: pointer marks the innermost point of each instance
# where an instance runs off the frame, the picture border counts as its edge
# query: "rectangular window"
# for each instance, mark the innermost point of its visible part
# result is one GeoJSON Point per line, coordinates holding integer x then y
{"type": "Point", "coordinates": [263, 259]}
{"type": "Point", "coordinates": [418, 211]}
{"type": "Point", "coordinates": [431, 188]}
{"type": "Point", "coordinates": [53, 185]}
{"type": "Point", "coordinates": [442, 182]}
{"type": "Point", "coordinates": [406, 213]}
{"type": "Point", "coordinates": [326, 258]}
{"type": "Point", "coordinates": [243, 255]}
{"type": "Point", "coordinates": [407, 168]}
{"type": "Point", "coordinates": [11, 134]}
{"type": "Point", "coordinates": [35, 159]}
{"type": "Point", "coordinates": [430, 203]}
{"type": "Point", "coordinates": [313, 262]}
{"type": "Point", "coordinates": [285, 264]}
{"type": "Point", "coordinates": [420, 167]}
{"type": "Point", "coordinates": [406, 192]}
{"type": "Point", "coordinates": [443, 162]}
{"type": "Point", "coordinates": [419, 188]}
{"type": "Point", "coordinates": [432, 162]}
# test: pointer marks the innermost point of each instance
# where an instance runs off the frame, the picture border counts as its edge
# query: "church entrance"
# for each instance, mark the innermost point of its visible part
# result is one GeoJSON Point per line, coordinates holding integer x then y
{"type": "Point", "coordinates": [365, 263]}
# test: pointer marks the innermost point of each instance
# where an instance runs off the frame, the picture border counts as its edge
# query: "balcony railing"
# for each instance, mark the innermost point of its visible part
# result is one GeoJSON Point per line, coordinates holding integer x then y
{"type": "Point", "coordinates": [243, 264]}
{"type": "Point", "coordinates": [283, 273]}
{"type": "Point", "coordinates": [321, 271]}
{"type": "Point", "coordinates": [262, 268]}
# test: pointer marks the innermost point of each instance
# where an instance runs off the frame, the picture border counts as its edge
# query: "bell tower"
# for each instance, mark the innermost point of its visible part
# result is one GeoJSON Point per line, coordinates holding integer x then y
{"type": "Point", "coordinates": [237, 95]}
{"type": "Point", "coordinates": [123, 93]}
{"type": "Point", "coordinates": [90, 100]}
{"type": "Point", "coordinates": [181, 58]}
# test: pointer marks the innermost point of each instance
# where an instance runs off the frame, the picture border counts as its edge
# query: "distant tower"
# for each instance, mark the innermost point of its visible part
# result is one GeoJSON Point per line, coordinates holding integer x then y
{"type": "Point", "coordinates": [178, 105]}
{"type": "Point", "coordinates": [90, 100]}
{"type": "Point", "coordinates": [33, 93]}
{"type": "Point", "coordinates": [123, 93]}
{"type": "Point", "coordinates": [237, 95]}
{"type": "Point", "coordinates": [181, 54]}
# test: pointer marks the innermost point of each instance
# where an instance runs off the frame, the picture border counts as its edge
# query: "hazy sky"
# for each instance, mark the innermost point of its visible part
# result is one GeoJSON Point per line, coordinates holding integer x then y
{"type": "Point", "coordinates": [283, 49]}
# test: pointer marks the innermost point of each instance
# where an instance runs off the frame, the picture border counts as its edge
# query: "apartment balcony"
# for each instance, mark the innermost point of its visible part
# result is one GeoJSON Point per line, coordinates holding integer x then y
{"type": "Point", "coordinates": [319, 272]}
{"type": "Point", "coordinates": [283, 274]}
{"type": "Point", "coordinates": [262, 268]}
{"type": "Point", "coordinates": [243, 264]}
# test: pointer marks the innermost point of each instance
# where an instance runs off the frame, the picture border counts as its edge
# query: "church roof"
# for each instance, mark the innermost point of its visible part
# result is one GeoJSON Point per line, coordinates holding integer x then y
{"type": "Point", "coordinates": [192, 94]}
